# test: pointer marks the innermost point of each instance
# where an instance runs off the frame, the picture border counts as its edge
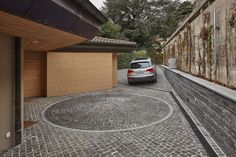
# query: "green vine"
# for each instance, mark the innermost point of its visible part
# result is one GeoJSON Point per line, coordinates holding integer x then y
{"type": "Point", "coordinates": [232, 19]}
{"type": "Point", "coordinates": [200, 58]}
{"type": "Point", "coordinates": [190, 47]}
{"type": "Point", "coordinates": [185, 40]}
{"type": "Point", "coordinates": [180, 50]}
{"type": "Point", "coordinates": [173, 51]}
{"type": "Point", "coordinates": [204, 36]}
{"type": "Point", "coordinates": [209, 51]}
{"type": "Point", "coordinates": [230, 26]}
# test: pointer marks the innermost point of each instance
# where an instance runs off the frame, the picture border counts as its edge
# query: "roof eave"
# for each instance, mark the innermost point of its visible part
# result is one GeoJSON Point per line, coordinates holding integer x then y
{"type": "Point", "coordinates": [77, 17]}
{"type": "Point", "coordinates": [99, 48]}
{"type": "Point", "coordinates": [93, 10]}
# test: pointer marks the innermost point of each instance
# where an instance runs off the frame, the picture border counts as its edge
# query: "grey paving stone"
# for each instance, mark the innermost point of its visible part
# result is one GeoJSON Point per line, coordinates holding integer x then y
{"type": "Point", "coordinates": [171, 137]}
{"type": "Point", "coordinates": [104, 112]}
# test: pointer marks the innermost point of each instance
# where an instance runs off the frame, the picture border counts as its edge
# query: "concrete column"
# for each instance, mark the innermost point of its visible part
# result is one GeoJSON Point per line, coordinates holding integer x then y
{"type": "Point", "coordinates": [7, 92]}
{"type": "Point", "coordinates": [11, 92]}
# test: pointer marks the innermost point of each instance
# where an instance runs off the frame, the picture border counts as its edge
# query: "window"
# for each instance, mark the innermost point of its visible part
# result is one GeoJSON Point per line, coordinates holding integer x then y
{"type": "Point", "coordinates": [140, 65]}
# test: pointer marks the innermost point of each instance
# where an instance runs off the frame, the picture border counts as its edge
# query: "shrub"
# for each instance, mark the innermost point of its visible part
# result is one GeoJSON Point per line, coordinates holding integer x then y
{"type": "Point", "coordinates": [124, 59]}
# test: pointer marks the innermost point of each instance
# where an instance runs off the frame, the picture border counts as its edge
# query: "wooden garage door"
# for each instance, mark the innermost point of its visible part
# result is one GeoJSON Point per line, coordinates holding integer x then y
{"type": "Point", "coordinates": [69, 73]}
{"type": "Point", "coordinates": [34, 74]}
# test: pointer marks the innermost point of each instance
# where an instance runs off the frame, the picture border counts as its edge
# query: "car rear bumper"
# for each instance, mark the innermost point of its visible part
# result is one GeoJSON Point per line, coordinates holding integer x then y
{"type": "Point", "coordinates": [141, 78]}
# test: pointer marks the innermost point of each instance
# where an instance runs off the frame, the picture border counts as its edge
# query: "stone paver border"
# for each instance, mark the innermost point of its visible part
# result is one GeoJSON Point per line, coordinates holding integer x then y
{"type": "Point", "coordinates": [108, 131]}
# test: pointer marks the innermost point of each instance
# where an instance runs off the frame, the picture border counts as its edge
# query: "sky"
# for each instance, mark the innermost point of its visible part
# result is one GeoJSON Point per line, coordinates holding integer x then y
{"type": "Point", "coordinates": [98, 3]}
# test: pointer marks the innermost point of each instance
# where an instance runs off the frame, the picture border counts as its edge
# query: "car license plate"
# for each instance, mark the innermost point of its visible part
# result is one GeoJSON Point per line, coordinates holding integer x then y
{"type": "Point", "coordinates": [139, 72]}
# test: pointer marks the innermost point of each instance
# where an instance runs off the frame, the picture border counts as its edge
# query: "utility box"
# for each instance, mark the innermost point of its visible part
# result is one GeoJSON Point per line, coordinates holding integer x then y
{"type": "Point", "coordinates": [172, 63]}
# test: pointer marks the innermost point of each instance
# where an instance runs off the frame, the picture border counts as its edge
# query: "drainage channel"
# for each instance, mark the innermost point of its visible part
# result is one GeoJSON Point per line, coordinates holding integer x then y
{"type": "Point", "coordinates": [212, 149]}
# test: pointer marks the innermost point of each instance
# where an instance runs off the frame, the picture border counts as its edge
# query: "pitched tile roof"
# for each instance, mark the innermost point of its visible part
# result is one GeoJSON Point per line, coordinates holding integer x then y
{"type": "Point", "coordinates": [107, 41]}
{"type": "Point", "coordinates": [100, 44]}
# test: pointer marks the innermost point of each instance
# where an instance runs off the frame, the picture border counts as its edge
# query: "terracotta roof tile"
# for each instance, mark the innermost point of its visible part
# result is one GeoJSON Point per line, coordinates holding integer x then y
{"type": "Point", "coordinates": [101, 40]}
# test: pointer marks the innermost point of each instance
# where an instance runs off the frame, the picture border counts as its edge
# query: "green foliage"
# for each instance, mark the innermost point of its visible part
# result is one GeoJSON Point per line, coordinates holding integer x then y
{"type": "Point", "coordinates": [209, 51]}
{"type": "Point", "coordinates": [124, 60]}
{"type": "Point", "coordinates": [183, 10]}
{"type": "Point", "coordinates": [110, 30]}
{"type": "Point", "coordinates": [141, 53]}
{"type": "Point", "coordinates": [156, 56]}
{"type": "Point", "coordinates": [140, 20]}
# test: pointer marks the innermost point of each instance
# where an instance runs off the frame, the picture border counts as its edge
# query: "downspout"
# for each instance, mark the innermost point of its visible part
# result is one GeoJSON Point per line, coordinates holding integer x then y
{"type": "Point", "coordinates": [19, 90]}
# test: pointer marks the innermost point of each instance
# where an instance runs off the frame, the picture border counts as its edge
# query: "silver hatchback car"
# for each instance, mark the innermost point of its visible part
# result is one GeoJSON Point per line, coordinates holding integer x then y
{"type": "Point", "coordinates": [142, 70]}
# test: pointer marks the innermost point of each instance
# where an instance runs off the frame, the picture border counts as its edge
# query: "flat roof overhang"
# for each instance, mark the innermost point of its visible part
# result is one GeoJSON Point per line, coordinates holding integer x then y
{"type": "Point", "coordinates": [98, 48]}
{"type": "Point", "coordinates": [50, 24]}
{"type": "Point", "coordinates": [99, 44]}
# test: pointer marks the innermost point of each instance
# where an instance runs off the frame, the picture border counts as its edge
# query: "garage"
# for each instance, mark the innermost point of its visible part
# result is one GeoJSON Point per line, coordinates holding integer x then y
{"type": "Point", "coordinates": [85, 67]}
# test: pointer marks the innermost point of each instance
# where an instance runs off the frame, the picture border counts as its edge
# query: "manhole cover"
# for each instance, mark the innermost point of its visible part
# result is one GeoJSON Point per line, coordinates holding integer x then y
{"type": "Point", "coordinates": [108, 112]}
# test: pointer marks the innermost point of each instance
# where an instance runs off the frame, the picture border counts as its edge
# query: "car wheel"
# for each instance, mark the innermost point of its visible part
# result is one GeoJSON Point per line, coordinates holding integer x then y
{"type": "Point", "coordinates": [155, 80]}
{"type": "Point", "coordinates": [130, 83]}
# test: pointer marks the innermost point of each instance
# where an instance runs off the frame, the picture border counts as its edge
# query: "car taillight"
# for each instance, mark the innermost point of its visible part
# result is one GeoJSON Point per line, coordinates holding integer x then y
{"type": "Point", "coordinates": [151, 70]}
{"type": "Point", "coordinates": [130, 71]}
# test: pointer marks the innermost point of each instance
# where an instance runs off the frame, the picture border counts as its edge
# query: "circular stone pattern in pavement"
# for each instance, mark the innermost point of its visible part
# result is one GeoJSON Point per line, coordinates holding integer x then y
{"type": "Point", "coordinates": [107, 112]}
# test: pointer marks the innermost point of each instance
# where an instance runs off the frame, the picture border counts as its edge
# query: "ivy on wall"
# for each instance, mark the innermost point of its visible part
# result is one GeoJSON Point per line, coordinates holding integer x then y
{"type": "Point", "coordinates": [179, 51]}
{"type": "Point", "coordinates": [195, 47]}
{"type": "Point", "coordinates": [230, 29]}
{"type": "Point", "coordinates": [232, 19]}
{"type": "Point", "coordinates": [205, 36]}
{"type": "Point", "coordinates": [190, 47]}
{"type": "Point", "coordinates": [209, 51]}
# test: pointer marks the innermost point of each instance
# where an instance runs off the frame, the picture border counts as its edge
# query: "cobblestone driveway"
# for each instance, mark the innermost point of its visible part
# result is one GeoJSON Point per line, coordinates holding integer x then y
{"type": "Point", "coordinates": [138, 136]}
{"type": "Point", "coordinates": [112, 112]}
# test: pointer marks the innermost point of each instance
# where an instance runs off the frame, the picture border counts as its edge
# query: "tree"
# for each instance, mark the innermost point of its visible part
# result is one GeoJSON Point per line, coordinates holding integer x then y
{"type": "Point", "coordinates": [131, 16]}
{"type": "Point", "coordinates": [110, 30]}
{"type": "Point", "coordinates": [142, 19]}
{"type": "Point", "coordinates": [183, 10]}
{"type": "Point", "coordinates": [163, 22]}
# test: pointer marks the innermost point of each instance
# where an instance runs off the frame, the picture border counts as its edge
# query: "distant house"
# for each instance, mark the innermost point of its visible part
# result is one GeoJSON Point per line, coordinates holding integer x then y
{"type": "Point", "coordinates": [37, 59]}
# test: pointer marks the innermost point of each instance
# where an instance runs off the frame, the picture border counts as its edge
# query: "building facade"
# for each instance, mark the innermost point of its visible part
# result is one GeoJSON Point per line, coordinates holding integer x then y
{"type": "Point", "coordinates": [32, 64]}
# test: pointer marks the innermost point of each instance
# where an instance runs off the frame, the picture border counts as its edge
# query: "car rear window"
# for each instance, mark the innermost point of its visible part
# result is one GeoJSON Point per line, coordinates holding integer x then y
{"type": "Point", "coordinates": [139, 65]}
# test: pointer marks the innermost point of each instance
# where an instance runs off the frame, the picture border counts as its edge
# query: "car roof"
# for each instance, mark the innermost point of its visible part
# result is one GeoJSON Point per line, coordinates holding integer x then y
{"type": "Point", "coordinates": [141, 60]}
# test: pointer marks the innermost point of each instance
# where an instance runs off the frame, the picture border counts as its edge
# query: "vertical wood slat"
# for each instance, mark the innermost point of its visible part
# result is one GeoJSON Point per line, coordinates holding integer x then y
{"type": "Point", "coordinates": [35, 74]}
{"type": "Point", "coordinates": [114, 69]}
{"type": "Point", "coordinates": [69, 73]}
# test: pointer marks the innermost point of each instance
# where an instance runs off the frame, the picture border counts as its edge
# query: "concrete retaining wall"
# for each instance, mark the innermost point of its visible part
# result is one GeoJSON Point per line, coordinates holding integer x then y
{"type": "Point", "coordinates": [216, 112]}
{"type": "Point", "coordinates": [205, 44]}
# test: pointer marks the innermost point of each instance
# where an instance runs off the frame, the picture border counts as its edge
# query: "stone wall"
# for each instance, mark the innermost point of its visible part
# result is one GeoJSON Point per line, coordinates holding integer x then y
{"type": "Point", "coordinates": [216, 112]}
{"type": "Point", "coordinates": [205, 44]}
